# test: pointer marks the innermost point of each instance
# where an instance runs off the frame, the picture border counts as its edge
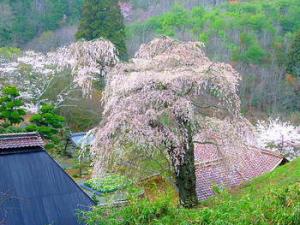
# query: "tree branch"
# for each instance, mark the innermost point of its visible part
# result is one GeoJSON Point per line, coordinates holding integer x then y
{"type": "Point", "coordinates": [205, 143]}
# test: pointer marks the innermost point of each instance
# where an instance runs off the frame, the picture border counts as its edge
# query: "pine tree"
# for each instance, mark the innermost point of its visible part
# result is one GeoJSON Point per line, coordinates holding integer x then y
{"type": "Point", "coordinates": [11, 106]}
{"type": "Point", "coordinates": [293, 66]}
{"type": "Point", "coordinates": [103, 19]}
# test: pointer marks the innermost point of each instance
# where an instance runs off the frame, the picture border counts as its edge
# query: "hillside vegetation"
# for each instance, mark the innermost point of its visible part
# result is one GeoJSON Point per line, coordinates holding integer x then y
{"type": "Point", "coordinates": [21, 21]}
{"type": "Point", "coordinates": [254, 36]}
{"type": "Point", "coordinates": [273, 198]}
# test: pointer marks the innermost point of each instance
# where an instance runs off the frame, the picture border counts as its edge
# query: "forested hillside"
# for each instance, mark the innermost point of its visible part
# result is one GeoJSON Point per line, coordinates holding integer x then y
{"type": "Point", "coordinates": [21, 21]}
{"type": "Point", "coordinates": [254, 36]}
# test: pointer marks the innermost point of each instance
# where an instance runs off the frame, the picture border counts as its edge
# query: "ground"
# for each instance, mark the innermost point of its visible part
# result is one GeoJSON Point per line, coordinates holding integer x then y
{"type": "Point", "coordinates": [273, 198]}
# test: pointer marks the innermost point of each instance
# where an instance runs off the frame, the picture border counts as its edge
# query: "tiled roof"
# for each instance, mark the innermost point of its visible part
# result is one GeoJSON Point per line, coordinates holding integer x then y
{"type": "Point", "coordinates": [10, 143]}
{"type": "Point", "coordinates": [212, 170]}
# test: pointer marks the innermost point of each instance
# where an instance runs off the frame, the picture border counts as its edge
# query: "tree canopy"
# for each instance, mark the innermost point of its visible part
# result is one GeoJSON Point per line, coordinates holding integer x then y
{"type": "Point", "coordinates": [46, 121]}
{"type": "Point", "coordinates": [293, 66]}
{"type": "Point", "coordinates": [11, 106]}
{"type": "Point", "coordinates": [21, 21]}
{"type": "Point", "coordinates": [103, 19]}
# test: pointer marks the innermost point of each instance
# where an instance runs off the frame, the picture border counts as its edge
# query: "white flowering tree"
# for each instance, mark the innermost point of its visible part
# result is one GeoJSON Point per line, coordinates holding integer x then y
{"type": "Point", "coordinates": [279, 136]}
{"type": "Point", "coordinates": [33, 73]}
{"type": "Point", "coordinates": [162, 99]}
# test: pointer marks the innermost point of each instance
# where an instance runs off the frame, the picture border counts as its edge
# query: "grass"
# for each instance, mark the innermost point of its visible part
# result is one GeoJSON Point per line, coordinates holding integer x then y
{"type": "Point", "coordinates": [273, 198]}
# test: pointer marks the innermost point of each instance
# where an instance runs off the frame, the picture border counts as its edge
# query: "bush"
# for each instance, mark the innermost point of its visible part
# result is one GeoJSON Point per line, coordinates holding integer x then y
{"type": "Point", "coordinates": [9, 52]}
{"type": "Point", "coordinates": [108, 184]}
{"type": "Point", "coordinates": [138, 212]}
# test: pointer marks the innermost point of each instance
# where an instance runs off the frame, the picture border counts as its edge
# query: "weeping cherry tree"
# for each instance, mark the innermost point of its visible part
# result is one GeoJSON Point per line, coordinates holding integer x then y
{"type": "Point", "coordinates": [162, 99]}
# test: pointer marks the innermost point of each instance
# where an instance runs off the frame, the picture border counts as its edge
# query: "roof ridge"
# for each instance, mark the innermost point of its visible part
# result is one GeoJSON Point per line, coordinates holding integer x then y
{"type": "Point", "coordinates": [11, 135]}
{"type": "Point", "coordinates": [18, 142]}
{"type": "Point", "coordinates": [21, 150]}
{"type": "Point", "coordinates": [78, 133]}
{"type": "Point", "coordinates": [269, 152]}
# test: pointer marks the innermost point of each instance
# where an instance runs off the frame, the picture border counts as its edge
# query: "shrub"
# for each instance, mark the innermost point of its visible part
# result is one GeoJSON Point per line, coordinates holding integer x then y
{"type": "Point", "coordinates": [9, 52]}
{"type": "Point", "coordinates": [108, 184]}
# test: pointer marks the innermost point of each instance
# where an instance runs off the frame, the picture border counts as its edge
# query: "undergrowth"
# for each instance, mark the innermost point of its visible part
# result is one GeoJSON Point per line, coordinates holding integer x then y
{"type": "Point", "coordinates": [275, 200]}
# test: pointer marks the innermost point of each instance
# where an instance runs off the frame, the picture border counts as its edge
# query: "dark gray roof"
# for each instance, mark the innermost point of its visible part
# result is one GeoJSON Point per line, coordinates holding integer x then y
{"type": "Point", "coordinates": [37, 191]}
{"type": "Point", "coordinates": [77, 139]}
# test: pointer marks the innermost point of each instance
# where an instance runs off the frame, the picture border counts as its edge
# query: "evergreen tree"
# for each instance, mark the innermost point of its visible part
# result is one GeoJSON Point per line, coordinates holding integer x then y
{"type": "Point", "coordinates": [46, 122]}
{"type": "Point", "coordinates": [11, 111]}
{"type": "Point", "coordinates": [293, 66]}
{"type": "Point", "coordinates": [51, 126]}
{"type": "Point", "coordinates": [103, 19]}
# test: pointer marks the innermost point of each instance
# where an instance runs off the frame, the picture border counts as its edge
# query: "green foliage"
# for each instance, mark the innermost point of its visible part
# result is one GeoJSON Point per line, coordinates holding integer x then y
{"type": "Point", "coordinates": [95, 199]}
{"type": "Point", "coordinates": [81, 161]}
{"type": "Point", "coordinates": [22, 20]}
{"type": "Point", "coordinates": [293, 65]}
{"type": "Point", "coordinates": [51, 126]}
{"type": "Point", "coordinates": [77, 118]}
{"type": "Point", "coordinates": [9, 52]}
{"type": "Point", "coordinates": [11, 111]}
{"type": "Point", "coordinates": [171, 22]}
{"type": "Point", "coordinates": [271, 199]}
{"type": "Point", "coordinates": [247, 30]}
{"type": "Point", "coordinates": [11, 129]}
{"type": "Point", "coordinates": [54, 14]}
{"type": "Point", "coordinates": [253, 36]}
{"type": "Point", "coordinates": [249, 50]}
{"type": "Point", "coordinates": [47, 122]}
{"type": "Point", "coordinates": [103, 19]}
{"type": "Point", "coordinates": [138, 212]}
{"type": "Point", "coordinates": [108, 184]}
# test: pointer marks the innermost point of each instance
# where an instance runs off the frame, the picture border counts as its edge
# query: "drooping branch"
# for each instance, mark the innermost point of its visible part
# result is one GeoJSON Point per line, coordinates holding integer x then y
{"type": "Point", "coordinates": [152, 102]}
{"type": "Point", "coordinates": [206, 143]}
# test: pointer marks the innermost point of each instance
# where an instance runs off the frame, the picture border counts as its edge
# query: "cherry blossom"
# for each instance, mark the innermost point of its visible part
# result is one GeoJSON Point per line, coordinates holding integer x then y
{"type": "Point", "coordinates": [33, 72]}
{"type": "Point", "coordinates": [277, 135]}
{"type": "Point", "coordinates": [169, 97]}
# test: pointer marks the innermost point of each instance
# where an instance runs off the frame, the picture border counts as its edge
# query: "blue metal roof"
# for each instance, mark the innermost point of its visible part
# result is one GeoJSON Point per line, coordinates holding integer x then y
{"type": "Point", "coordinates": [78, 139]}
{"type": "Point", "coordinates": [38, 191]}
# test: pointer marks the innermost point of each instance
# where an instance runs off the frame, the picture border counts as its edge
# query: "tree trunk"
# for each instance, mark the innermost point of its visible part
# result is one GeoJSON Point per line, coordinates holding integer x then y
{"type": "Point", "coordinates": [185, 176]}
